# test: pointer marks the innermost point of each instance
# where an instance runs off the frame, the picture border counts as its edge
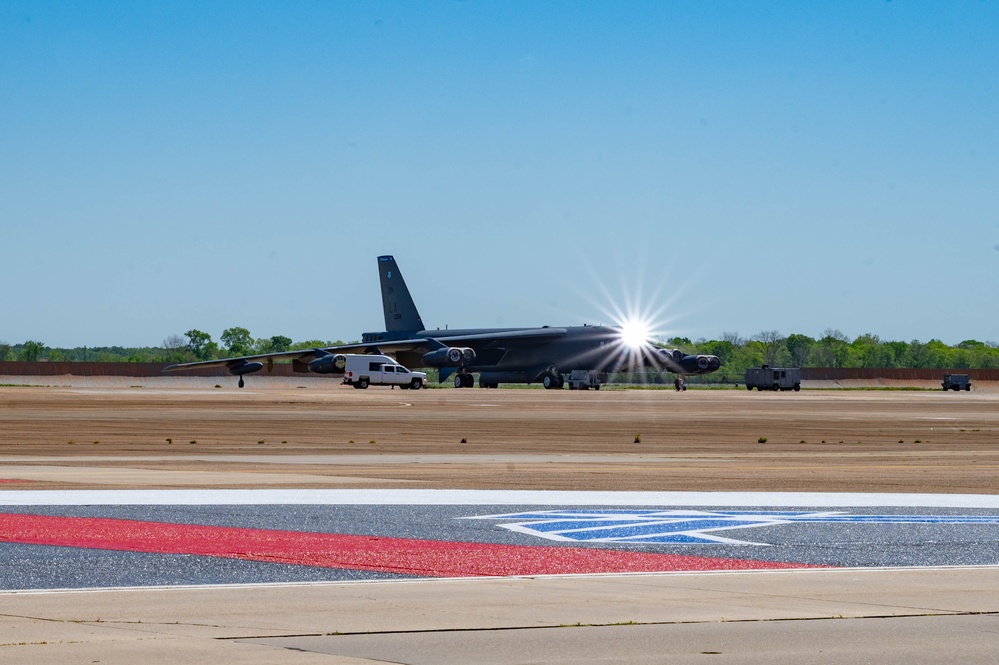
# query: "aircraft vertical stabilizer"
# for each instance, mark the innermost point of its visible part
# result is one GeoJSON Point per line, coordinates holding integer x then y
{"type": "Point", "coordinates": [401, 314]}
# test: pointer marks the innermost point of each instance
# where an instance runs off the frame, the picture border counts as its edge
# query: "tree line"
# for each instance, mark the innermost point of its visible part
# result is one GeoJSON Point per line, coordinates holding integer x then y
{"type": "Point", "coordinates": [833, 349]}
{"type": "Point", "coordinates": [192, 346]}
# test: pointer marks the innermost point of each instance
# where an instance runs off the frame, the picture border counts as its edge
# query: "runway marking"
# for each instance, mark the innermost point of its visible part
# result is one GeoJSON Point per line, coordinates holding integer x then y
{"type": "Point", "coordinates": [399, 497]}
{"type": "Point", "coordinates": [689, 527]}
{"type": "Point", "coordinates": [405, 556]}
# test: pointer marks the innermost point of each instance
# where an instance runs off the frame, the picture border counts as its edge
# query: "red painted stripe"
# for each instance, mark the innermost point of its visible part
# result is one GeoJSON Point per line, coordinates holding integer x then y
{"type": "Point", "coordinates": [424, 558]}
{"type": "Point", "coordinates": [12, 480]}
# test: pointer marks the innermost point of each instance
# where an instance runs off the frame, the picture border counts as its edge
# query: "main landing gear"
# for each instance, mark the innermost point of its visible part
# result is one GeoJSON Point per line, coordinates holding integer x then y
{"type": "Point", "coordinates": [552, 380]}
{"type": "Point", "coordinates": [463, 380]}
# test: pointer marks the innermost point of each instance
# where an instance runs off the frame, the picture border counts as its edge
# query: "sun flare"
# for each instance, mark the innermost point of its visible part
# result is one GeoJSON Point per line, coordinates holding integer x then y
{"type": "Point", "coordinates": [635, 332]}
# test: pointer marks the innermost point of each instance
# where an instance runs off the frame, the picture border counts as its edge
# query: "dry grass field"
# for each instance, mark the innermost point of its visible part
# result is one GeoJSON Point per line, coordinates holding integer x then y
{"type": "Point", "coordinates": [334, 436]}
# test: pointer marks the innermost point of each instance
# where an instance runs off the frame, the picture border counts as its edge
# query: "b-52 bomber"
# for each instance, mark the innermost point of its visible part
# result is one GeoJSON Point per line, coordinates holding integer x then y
{"type": "Point", "coordinates": [544, 355]}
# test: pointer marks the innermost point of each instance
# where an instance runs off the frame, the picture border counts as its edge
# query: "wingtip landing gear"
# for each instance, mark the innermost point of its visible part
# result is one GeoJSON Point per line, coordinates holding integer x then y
{"type": "Point", "coordinates": [241, 382]}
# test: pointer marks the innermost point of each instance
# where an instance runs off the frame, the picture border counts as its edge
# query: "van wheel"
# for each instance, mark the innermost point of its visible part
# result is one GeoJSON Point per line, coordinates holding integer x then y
{"type": "Point", "coordinates": [416, 384]}
{"type": "Point", "coordinates": [362, 383]}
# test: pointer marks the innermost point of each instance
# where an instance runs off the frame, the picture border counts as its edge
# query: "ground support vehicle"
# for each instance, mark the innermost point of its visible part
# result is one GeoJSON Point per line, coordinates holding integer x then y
{"type": "Point", "coordinates": [362, 371]}
{"type": "Point", "coordinates": [582, 379]}
{"type": "Point", "coordinates": [956, 382]}
{"type": "Point", "coordinates": [773, 378]}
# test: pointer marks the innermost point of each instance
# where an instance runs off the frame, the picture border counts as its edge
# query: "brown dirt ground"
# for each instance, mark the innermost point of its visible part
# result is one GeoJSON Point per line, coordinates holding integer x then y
{"type": "Point", "coordinates": [701, 440]}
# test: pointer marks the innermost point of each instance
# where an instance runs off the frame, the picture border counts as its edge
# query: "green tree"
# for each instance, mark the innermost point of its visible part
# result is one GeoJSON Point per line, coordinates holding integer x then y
{"type": "Point", "coordinates": [724, 350]}
{"type": "Point", "coordinates": [867, 351]}
{"type": "Point", "coordinates": [939, 355]}
{"type": "Point", "coordinates": [31, 351]}
{"type": "Point", "coordinates": [771, 344]}
{"type": "Point", "coordinates": [799, 346]}
{"type": "Point", "coordinates": [315, 344]}
{"type": "Point", "coordinates": [280, 343]}
{"type": "Point", "coordinates": [897, 354]}
{"type": "Point", "coordinates": [238, 341]}
{"type": "Point", "coordinates": [6, 351]}
{"type": "Point", "coordinates": [201, 344]}
{"type": "Point", "coordinates": [833, 349]}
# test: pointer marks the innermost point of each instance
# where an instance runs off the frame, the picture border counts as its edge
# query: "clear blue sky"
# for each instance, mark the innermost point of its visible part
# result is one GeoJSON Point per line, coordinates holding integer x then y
{"type": "Point", "coordinates": [731, 166]}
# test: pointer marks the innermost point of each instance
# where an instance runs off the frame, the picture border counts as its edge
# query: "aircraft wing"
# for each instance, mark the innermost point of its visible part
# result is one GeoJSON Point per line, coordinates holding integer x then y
{"type": "Point", "coordinates": [305, 355]}
{"type": "Point", "coordinates": [523, 336]}
{"type": "Point", "coordinates": [302, 354]}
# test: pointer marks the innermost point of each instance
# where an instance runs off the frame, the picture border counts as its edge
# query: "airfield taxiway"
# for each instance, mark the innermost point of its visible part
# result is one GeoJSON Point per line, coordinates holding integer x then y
{"type": "Point", "coordinates": [905, 591]}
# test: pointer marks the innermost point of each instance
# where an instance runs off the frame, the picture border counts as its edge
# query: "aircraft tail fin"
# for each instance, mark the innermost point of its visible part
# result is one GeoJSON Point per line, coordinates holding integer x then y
{"type": "Point", "coordinates": [401, 314]}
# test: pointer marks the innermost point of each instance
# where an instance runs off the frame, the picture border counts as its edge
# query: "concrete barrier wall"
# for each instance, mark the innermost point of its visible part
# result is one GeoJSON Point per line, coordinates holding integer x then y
{"type": "Point", "coordinates": [12, 368]}
{"type": "Point", "coordinates": [892, 374]}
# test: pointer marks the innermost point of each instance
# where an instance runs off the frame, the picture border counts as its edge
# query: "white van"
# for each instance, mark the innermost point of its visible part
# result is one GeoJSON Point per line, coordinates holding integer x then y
{"type": "Point", "coordinates": [362, 371]}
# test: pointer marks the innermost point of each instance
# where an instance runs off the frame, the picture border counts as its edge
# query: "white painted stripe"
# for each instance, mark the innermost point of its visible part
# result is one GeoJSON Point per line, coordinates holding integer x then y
{"type": "Point", "coordinates": [390, 497]}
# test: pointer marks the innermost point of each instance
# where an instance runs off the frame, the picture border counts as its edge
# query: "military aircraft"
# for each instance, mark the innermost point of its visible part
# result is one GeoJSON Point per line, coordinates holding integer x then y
{"type": "Point", "coordinates": [498, 355]}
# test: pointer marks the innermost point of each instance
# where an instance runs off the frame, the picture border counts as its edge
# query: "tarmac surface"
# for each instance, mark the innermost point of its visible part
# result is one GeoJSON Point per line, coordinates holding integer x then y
{"type": "Point", "coordinates": [331, 526]}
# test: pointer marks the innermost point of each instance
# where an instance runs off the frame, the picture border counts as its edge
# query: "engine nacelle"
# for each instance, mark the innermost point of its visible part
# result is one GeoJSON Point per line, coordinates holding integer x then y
{"type": "Point", "coordinates": [700, 364]}
{"type": "Point", "coordinates": [241, 367]}
{"type": "Point", "coordinates": [675, 361]}
{"type": "Point", "coordinates": [328, 364]}
{"type": "Point", "coordinates": [450, 356]}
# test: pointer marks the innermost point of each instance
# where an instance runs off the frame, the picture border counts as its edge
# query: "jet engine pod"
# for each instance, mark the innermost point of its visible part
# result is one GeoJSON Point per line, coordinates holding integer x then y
{"type": "Point", "coordinates": [677, 355]}
{"type": "Point", "coordinates": [451, 356]}
{"type": "Point", "coordinates": [241, 367]}
{"type": "Point", "coordinates": [700, 364]}
{"type": "Point", "coordinates": [328, 364]}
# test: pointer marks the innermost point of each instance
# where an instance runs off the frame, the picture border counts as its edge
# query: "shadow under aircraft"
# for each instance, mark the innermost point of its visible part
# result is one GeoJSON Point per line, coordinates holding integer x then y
{"type": "Point", "coordinates": [544, 355]}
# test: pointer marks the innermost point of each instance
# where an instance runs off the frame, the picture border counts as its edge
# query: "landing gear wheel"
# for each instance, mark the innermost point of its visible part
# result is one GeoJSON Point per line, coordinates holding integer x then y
{"type": "Point", "coordinates": [552, 381]}
{"type": "Point", "coordinates": [241, 382]}
{"type": "Point", "coordinates": [464, 380]}
{"type": "Point", "coordinates": [559, 381]}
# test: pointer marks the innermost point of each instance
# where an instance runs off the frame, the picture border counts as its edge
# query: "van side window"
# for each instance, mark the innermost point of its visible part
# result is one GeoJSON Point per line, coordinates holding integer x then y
{"type": "Point", "coordinates": [388, 368]}
{"type": "Point", "coordinates": [374, 367]}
